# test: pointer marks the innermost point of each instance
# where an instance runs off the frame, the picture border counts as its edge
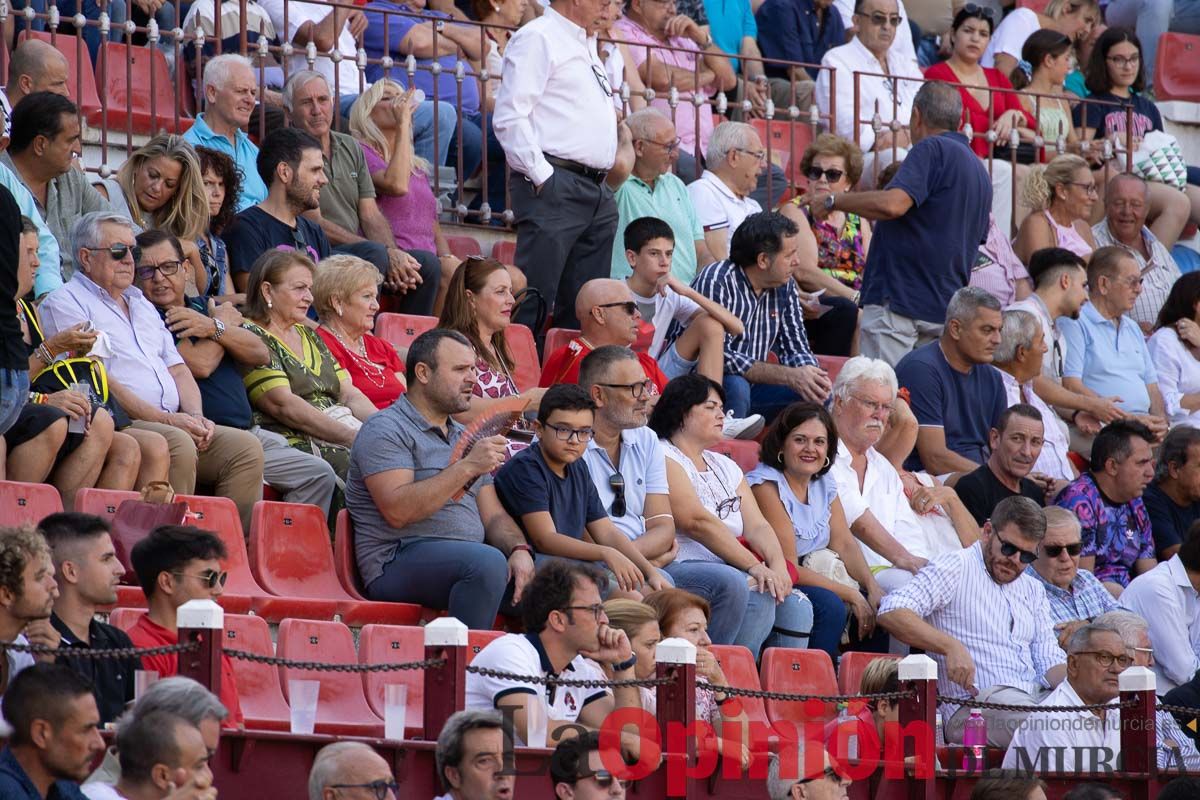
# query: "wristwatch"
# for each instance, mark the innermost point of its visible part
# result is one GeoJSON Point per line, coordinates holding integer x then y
{"type": "Point", "coordinates": [220, 329]}
{"type": "Point", "coordinates": [624, 665]}
{"type": "Point", "coordinates": [829, 201]}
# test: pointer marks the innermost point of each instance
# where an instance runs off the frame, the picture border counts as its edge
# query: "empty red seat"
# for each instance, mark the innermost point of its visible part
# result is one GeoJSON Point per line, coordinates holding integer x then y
{"type": "Point", "coordinates": [102, 503]}
{"type": "Point", "coordinates": [832, 365]}
{"type": "Point", "coordinates": [131, 597]}
{"type": "Point", "coordinates": [379, 644]}
{"type": "Point", "coordinates": [259, 692]}
{"type": "Point", "coordinates": [743, 453]}
{"type": "Point", "coordinates": [791, 671]}
{"type": "Point", "coordinates": [523, 349]}
{"type": "Point", "coordinates": [27, 503]}
{"type": "Point", "coordinates": [477, 640]}
{"type": "Point", "coordinates": [787, 141]}
{"type": "Point", "coordinates": [505, 252]}
{"type": "Point", "coordinates": [402, 329]}
{"type": "Point", "coordinates": [139, 91]}
{"type": "Point", "coordinates": [290, 555]}
{"type": "Point", "coordinates": [342, 708]}
{"type": "Point", "coordinates": [852, 666]}
{"type": "Point", "coordinates": [1175, 74]}
{"type": "Point", "coordinates": [124, 618]}
{"type": "Point", "coordinates": [81, 81]}
{"type": "Point", "coordinates": [556, 338]}
{"type": "Point", "coordinates": [464, 246]}
{"type": "Point", "coordinates": [738, 665]}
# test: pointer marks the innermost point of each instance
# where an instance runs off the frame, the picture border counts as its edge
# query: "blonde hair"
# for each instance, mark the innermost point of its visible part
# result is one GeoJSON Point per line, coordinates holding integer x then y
{"type": "Point", "coordinates": [1060, 8]}
{"type": "Point", "coordinates": [629, 615]}
{"type": "Point", "coordinates": [339, 276]}
{"type": "Point", "coordinates": [186, 214]}
{"type": "Point", "coordinates": [1044, 180]}
{"type": "Point", "coordinates": [878, 675]}
{"type": "Point", "coordinates": [363, 128]}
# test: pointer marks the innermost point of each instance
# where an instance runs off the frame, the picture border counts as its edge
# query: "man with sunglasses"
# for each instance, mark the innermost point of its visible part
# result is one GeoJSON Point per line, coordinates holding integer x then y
{"type": "Point", "coordinates": [1076, 597]}
{"type": "Point", "coordinates": [984, 621]}
{"type": "Point", "coordinates": [175, 564]}
{"type": "Point", "coordinates": [577, 771]}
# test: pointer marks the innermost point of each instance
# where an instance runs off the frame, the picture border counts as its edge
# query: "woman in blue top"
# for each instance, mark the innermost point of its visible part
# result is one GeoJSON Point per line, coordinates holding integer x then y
{"type": "Point", "coordinates": [799, 499]}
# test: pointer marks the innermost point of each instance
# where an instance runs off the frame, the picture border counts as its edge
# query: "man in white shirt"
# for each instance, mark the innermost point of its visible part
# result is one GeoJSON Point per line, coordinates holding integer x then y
{"type": "Point", "coordinates": [555, 119]}
{"type": "Point", "coordinates": [721, 196]}
{"type": "Point", "coordinates": [872, 51]}
{"type": "Point", "coordinates": [903, 45]}
{"type": "Point", "coordinates": [159, 752]}
{"type": "Point", "coordinates": [27, 593]}
{"type": "Point", "coordinates": [1066, 741]}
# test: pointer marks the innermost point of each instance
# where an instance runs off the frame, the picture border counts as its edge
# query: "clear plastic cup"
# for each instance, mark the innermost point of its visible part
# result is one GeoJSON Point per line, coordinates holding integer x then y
{"type": "Point", "coordinates": [302, 697]}
{"type": "Point", "coordinates": [395, 706]}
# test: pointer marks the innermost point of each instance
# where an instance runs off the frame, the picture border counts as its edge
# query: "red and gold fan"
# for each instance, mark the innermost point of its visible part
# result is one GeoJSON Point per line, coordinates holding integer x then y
{"type": "Point", "coordinates": [501, 420]}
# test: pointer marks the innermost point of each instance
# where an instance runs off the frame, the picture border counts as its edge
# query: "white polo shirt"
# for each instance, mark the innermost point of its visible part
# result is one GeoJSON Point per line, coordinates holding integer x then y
{"type": "Point", "coordinates": [717, 207]}
{"type": "Point", "coordinates": [523, 654]}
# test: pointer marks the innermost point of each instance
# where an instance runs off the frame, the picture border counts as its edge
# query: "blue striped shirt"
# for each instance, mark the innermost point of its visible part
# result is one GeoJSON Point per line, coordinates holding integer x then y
{"type": "Point", "coordinates": [774, 319]}
{"type": "Point", "coordinates": [1086, 599]}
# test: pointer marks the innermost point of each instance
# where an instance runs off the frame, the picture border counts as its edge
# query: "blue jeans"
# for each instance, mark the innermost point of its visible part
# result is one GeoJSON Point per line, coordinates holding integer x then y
{"type": "Point", "coordinates": [786, 624]}
{"type": "Point", "coordinates": [14, 393]}
{"type": "Point", "coordinates": [829, 620]}
{"type": "Point", "coordinates": [725, 589]}
{"type": "Point", "coordinates": [744, 398]}
{"type": "Point", "coordinates": [472, 153]}
{"type": "Point", "coordinates": [466, 579]}
{"type": "Point", "coordinates": [432, 150]}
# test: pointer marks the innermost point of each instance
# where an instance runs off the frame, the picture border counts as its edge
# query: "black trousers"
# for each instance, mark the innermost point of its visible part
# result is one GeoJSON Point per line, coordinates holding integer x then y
{"type": "Point", "coordinates": [832, 333]}
{"type": "Point", "coordinates": [419, 300]}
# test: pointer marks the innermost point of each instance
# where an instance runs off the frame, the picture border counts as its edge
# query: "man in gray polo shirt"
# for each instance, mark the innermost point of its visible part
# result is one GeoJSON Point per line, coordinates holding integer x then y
{"type": "Point", "coordinates": [415, 543]}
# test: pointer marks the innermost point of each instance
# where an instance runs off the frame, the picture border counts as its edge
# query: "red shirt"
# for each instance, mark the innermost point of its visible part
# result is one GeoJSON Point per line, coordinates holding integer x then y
{"type": "Point", "coordinates": [563, 365]}
{"type": "Point", "coordinates": [380, 389]}
{"type": "Point", "coordinates": [976, 114]}
{"type": "Point", "coordinates": [148, 633]}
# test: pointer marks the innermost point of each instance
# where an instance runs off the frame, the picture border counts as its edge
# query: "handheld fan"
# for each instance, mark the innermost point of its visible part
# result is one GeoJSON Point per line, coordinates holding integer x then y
{"type": "Point", "coordinates": [499, 421]}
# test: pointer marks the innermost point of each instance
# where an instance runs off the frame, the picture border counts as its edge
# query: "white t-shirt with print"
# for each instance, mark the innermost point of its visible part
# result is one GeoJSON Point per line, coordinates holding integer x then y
{"type": "Point", "coordinates": [667, 307]}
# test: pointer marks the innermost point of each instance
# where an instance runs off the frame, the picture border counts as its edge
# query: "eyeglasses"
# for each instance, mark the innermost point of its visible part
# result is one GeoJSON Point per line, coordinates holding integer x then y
{"type": "Point", "coordinates": [616, 482]}
{"type": "Point", "coordinates": [1055, 550]}
{"type": "Point", "coordinates": [602, 79]}
{"type": "Point", "coordinates": [973, 10]}
{"type": "Point", "coordinates": [761, 155]}
{"type": "Point", "coordinates": [380, 788]}
{"type": "Point", "coordinates": [670, 147]}
{"type": "Point", "coordinates": [596, 610]}
{"type": "Point", "coordinates": [117, 252]}
{"type": "Point", "coordinates": [1125, 61]}
{"type": "Point", "coordinates": [732, 503]}
{"type": "Point", "coordinates": [211, 578]}
{"type": "Point", "coordinates": [1089, 188]}
{"type": "Point", "coordinates": [564, 434]}
{"type": "Point", "coordinates": [879, 19]}
{"type": "Point", "coordinates": [628, 306]}
{"type": "Point", "coordinates": [1107, 659]}
{"type": "Point", "coordinates": [165, 267]}
{"type": "Point", "coordinates": [638, 390]}
{"type": "Point", "coordinates": [1008, 550]}
{"type": "Point", "coordinates": [872, 406]}
{"type": "Point", "coordinates": [831, 175]}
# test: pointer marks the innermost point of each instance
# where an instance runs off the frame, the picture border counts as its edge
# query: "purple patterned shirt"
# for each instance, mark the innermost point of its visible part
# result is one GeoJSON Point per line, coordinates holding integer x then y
{"type": "Point", "coordinates": [1117, 535]}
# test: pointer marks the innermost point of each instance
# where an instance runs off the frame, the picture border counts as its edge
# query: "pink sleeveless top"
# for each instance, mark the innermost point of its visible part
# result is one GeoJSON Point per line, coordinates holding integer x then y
{"type": "Point", "coordinates": [1068, 238]}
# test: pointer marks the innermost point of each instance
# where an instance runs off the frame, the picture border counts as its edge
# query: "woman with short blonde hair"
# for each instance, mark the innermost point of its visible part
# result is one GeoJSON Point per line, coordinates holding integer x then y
{"type": "Point", "coordinates": [1064, 192]}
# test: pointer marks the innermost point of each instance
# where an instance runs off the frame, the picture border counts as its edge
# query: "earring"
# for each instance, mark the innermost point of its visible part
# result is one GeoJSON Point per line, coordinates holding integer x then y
{"type": "Point", "coordinates": [781, 458]}
{"type": "Point", "coordinates": [827, 462]}
{"type": "Point", "coordinates": [269, 306]}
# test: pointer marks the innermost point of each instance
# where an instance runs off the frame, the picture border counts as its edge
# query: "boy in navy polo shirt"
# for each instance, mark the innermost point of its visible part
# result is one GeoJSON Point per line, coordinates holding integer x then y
{"type": "Point", "coordinates": [552, 498]}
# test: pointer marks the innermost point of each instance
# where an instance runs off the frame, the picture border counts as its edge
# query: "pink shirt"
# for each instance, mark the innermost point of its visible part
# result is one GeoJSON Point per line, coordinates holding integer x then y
{"type": "Point", "coordinates": [411, 215]}
{"type": "Point", "coordinates": [685, 113]}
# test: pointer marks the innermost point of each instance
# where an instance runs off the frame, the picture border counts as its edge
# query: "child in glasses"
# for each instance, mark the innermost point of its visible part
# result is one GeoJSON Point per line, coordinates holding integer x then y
{"type": "Point", "coordinates": [550, 494]}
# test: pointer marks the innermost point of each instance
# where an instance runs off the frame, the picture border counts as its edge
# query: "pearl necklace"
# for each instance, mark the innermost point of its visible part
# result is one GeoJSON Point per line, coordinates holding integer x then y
{"type": "Point", "coordinates": [375, 373]}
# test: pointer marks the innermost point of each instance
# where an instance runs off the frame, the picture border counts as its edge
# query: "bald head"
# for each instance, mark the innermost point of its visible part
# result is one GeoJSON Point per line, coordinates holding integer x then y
{"type": "Point", "coordinates": [603, 316]}
{"type": "Point", "coordinates": [36, 66]}
{"type": "Point", "coordinates": [345, 763]}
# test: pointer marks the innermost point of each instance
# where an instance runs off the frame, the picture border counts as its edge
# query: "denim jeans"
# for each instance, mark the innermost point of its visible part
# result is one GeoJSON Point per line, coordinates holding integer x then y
{"type": "Point", "coordinates": [14, 392]}
{"type": "Point", "coordinates": [786, 624]}
{"type": "Point", "coordinates": [744, 398]}
{"type": "Point", "coordinates": [118, 12]}
{"type": "Point", "coordinates": [435, 151]}
{"type": "Point", "coordinates": [466, 579]}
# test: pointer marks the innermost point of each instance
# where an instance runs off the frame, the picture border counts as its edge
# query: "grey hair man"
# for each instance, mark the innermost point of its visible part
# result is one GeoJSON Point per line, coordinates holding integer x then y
{"type": "Point", "coordinates": [160, 753]}
{"type": "Point", "coordinates": [1172, 499]}
{"type": "Point", "coordinates": [1076, 596]}
{"type": "Point", "coordinates": [788, 781]}
{"type": "Point", "coordinates": [345, 770]}
{"type": "Point", "coordinates": [470, 757]}
{"type": "Point", "coordinates": [957, 395]}
{"type": "Point", "coordinates": [721, 196]}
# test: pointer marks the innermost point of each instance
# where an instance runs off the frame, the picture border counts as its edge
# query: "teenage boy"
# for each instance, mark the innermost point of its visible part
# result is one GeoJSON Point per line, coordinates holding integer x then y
{"type": "Point", "coordinates": [551, 495]}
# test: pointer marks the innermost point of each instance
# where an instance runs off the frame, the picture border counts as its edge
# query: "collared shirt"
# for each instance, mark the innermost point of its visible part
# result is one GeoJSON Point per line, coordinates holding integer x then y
{"type": "Point", "coordinates": [902, 44]}
{"type": "Point", "coordinates": [789, 30]}
{"type": "Point", "coordinates": [1086, 598]}
{"type": "Point", "coordinates": [343, 76]}
{"type": "Point", "coordinates": [668, 200]}
{"type": "Point", "coordinates": [143, 350]}
{"type": "Point", "coordinates": [773, 319]}
{"type": "Point", "coordinates": [244, 154]}
{"type": "Point", "coordinates": [1056, 344]}
{"type": "Point", "coordinates": [1110, 357]}
{"type": "Point", "coordinates": [1117, 534]}
{"type": "Point", "coordinates": [16, 663]}
{"type": "Point", "coordinates": [1159, 272]}
{"type": "Point", "coordinates": [731, 21]}
{"type": "Point", "coordinates": [1165, 598]}
{"type": "Point", "coordinates": [643, 466]}
{"type": "Point", "coordinates": [890, 97]}
{"type": "Point", "coordinates": [552, 99]}
{"type": "Point", "coordinates": [1073, 732]}
{"type": "Point", "coordinates": [1013, 644]}
{"type": "Point", "coordinates": [1178, 374]}
{"type": "Point", "coordinates": [1174, 746]}
{"type": "Point", "coordinates": [1053, 460]}
{"type": "Point", "coordinates": [717, 207]}
{"type": "Point", "coordinates": [15, 783]}
{"type": "Point", "coordinates": [684, 56]}
{"type": "Point", "coordinates": [349, 181]}
{"type": "Point", "coordinates": [49, 274]}
{"type": "Point", "coordinates": [112, 679]}
{"type": "Point", "coordinates": [400, 437]}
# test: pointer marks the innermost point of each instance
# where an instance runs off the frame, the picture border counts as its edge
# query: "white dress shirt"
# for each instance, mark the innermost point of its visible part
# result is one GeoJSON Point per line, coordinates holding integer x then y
{"type": "Point", "coordinates": [902, 44]}
{"type": "Point", "coordinates": [298, 13]}
{"type": "Point", "coordinates": [1164, 597]}
{"type": "Point", "coordinates": [1178, 374]}
{"type": "Point", "coordinates": [1053, 460]}
{"type": "Point", "coordinates": [873, 91]}
{"type": "Point", "coordinates": [1075, 732]}
{"type": "Point", "coordinates": [555, 98]}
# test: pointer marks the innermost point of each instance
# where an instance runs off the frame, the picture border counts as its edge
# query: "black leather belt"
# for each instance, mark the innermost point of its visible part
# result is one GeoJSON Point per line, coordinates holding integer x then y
{"type": "Point", "coordinates": [591, 173]}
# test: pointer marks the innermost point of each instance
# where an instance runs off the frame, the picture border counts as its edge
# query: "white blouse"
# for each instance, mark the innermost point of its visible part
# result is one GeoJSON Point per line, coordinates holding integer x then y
{"type": "Point", "coordinates": [1178, 374]}
{"type": "Point", "coordinates": [715, 487]}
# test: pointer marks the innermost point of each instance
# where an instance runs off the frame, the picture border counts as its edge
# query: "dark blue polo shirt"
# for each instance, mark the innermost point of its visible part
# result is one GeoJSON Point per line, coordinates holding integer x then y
{"type": "Point", "coordinates": [527, 485]}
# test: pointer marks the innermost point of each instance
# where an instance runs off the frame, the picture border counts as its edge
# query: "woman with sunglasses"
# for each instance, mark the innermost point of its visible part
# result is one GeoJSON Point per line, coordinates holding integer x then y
{"type": "Point", "coordinates": [1072, 18]}
{"type": "Point", "coordinates": [1175, 351]}
{"type": "Point", "coordinates": [1061, 195]}
{"type": "Point", "coordinates": [799, 499]}
{"type": "Point", "coordinates": [718, 522]}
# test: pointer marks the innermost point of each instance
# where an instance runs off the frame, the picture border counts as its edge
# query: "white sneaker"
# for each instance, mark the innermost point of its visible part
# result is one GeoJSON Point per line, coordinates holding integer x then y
{"type": "Point", "coordinates": [745, 428]}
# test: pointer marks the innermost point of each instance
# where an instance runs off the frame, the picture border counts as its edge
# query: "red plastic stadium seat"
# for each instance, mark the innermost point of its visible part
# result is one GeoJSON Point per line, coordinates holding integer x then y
{"type": "Point", "coordinates": [1175, 74]}
{"type": "Point", "coordinates": [505, 252]}
{"type": "Point", "coordinates": [788, 141]}
{"type": "Point", "coordinates": [259, 692]}
{"type": "Point", "coordinates": [852, 666]}
{"type": "Point", "coordinates": [131, 597]}
{"type": "Point", "coordinates": [81, 83]}
{"type": "Point", "coordinates": [1033, 5]}
{"type": "Point", "coordinates": [526, 369]}
{"type": "Point", "coordinates": [344, 562]}
{"type": "Point", "coordinates": [27, 503]}
{"type": "Point", "coordinates": [402, 329]}
{"type": "Point", "coordinates": [381, 644]}
{"type": "Point", "coordinates": [832, 364]}
{"type": "Point", "coordinates": [342, 708]}
{"type": "Point", "coordinates": [738, 666]}
{"type": "Point", "coordinates": [477, 640]}
{"type": "Point", "coordinates": [291, 557]}
{"type": "Point", "coordinates": [784, 669]}
{"type": "Point", "coordinates": [124, 618]}
{"type": "Point", "coordinates": [463, 246]}
{"type": "Point", "coordinates": [139, 91]}
{"type": "Point", "coordinates": [556, 338]}
{"type": "Point", "coordinates": [102, 503]}
{"type": "Point", "coordinates": [744, 453]}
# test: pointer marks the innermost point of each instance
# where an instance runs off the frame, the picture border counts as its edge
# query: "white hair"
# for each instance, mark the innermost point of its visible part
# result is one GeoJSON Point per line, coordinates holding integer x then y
{"type": "Point", "coordinates": [642, 124]}
{"type": "Point", "coordinates": [326, 768]}
{"type": "Point", "coordinates": [1127, 623]}
{"type": "Point", "coordinates": [218, 69]}
{"type": "Point", "coordinates": [861, 369]}
{"type": "Point", "coordinates": [297, 80]}
{"type": "Point", "coordinates": [1018, 329]}
{"type": "Point", "coordinates": [727, 137]}
{"type": "Point", "coordinates": [85, 233]}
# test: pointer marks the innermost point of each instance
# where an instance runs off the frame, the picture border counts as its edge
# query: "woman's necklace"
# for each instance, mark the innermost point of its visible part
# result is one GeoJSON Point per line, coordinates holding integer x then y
{"type": "Point", "coordinates": [375, 373]}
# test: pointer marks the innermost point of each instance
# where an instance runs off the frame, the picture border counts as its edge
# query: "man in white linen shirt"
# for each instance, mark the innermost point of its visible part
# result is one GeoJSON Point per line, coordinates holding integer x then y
{"type": "Point", "coordinates": [871, 51]}
{"type": "Point", "coordinates": [984, 621]}
{"type": "Point", "coordinates": [876, 430]}
{"type": "Point", "coordinates": [1166, 597]}
{"type": "Point", "coordinates": [555, 120]}
{"type": "Point", "coordinates": [1068, 741]}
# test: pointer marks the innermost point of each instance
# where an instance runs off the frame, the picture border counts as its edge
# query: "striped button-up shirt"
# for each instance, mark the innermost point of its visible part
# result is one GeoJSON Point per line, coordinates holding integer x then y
{"type": "Point", "coordinates": [1006, 628]}
{"type": "Point", "coordinates": [773, 318]}
{"type": "Point", "coordinates": [1159, 272]}
{"type": "Point", "coordinates": [1086, 599]}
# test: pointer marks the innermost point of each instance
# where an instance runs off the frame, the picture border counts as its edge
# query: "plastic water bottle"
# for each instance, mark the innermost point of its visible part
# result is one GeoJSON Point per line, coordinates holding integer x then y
{"type": "Point", "coordinates": [847, 722]}
{"type": "Point", "coordinates": [974, 741]}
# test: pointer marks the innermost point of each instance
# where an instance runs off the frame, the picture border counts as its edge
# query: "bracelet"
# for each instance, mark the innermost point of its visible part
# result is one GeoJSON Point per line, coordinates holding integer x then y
{"type": "Point", "coordinates": [1075, 414]}
{"type": "Point", "coordinates": [37, 398]}
{"type": "Point", "coordinates": [42, 353]}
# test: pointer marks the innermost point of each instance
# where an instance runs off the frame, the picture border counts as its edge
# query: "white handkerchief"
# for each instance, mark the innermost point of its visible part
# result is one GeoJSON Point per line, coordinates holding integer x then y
{"type": "Point", "coordinates": [101, 348]}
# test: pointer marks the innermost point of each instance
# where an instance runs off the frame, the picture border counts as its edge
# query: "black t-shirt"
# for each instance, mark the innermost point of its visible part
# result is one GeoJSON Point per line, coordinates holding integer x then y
{"type": "Point", "coordinates": [980, 491]}
{"type": "Point", "coordinates": [111, 677]}
{"type": "Point", "coordinates": [222, 393]}
{"type": "Point", "coordinates": [13, 353]}
{"type": "Point", "coordinates": [253, 232]}
{"type": "Point", "coordinates": [1169, 523]}
{"type": "Point", "coordinates": [1107, 119]}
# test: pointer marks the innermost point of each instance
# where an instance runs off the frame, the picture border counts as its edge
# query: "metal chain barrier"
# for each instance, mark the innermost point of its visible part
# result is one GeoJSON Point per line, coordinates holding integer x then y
{"type": "Point", "coordinates": [551, 680]}
{"type": "Point", "coordinates": [320, 666]}
{"type": "Point", "coordinates": [969, 703]}
{"type": "Point", "coordinates": [98, 655]}
{"type": "Point", "coordinates": [1181, 710]}
{"type": "Point", "coordinates": [799, 698]}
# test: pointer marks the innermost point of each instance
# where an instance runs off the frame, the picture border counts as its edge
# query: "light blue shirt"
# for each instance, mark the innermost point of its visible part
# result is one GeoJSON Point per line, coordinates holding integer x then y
{"type": "Point", "coordinates": [244, 155]}
{"type": "Point", "coordinates": [810, 521]}
{"type": "Point", "coordinates": [730, 21]}
{"type": "Point", "coordinates": [669, 201]}
{"type": "Point", "coordinates": [49, 274]}
{"type": "Point", "coordinates": [1110, 357]}
{"type": "Point", "coordinates": [143, 350]}
{"type": "Point", "coordinates": [644, 469]}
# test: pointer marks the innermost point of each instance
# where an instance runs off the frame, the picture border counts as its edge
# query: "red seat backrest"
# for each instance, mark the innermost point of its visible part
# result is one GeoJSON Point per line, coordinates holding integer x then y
{"type": "Point", "coordinates": [344, 562]}
{"type": "Point", "coordinates": [102, 503]}
{"type": "Point", "coordinates": [402, 329]}
{"type": "Point", "coordinates": [743, 453]}
{"type": "Point", "coordinates": [259, 692]}
{"type": "Point", "coordinates": [851, 668]}
{"type": "Point", "coordinates": [832, 365]}
{"type": "Point", "coordinates": [791, 671]}
{"type": "Point", "coordinates": [139, 90]}
{"type": "Point", "coordinates": [220, 515]}
{"type": "Point", "coordinates": [1176, 76]}
{"type": "Point", "coordinates": [290, 554]}
{"type": "Point", "coordinates": [738, 665]}
{"type": "Point", "coordinates": [125, 618]}
{"type": "Point", "coordinates": [556, 338]}
{"type": "Point", "coordinates": [464, 246]}
{"type": "Point", "coordinates": [81, 82]}
{"type": "Point", "coordinates": [477, 640]}
{"type": "Point", "coordinates": [391, 644]}
{"type": "Point", "coordinates": [27, 503]}
{"type": "Point", "coordinates": [505, 252]}
{"type": "Point", "coordinates": [341, 698]}
{"type": "Point", "coordinates": [523, 349]}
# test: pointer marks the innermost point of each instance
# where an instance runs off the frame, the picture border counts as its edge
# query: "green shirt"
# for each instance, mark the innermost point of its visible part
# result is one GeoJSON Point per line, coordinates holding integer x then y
{"type": "Point", "coordinates": [349, 182]}
{"type": "Point", "coordinates": [668, 200]}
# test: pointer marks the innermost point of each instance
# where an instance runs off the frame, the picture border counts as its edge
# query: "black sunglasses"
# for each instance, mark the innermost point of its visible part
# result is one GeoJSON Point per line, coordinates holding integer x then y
{"type": "Point", "coordinates": [603, 778]}
{"type": "Point", "coordinates": [1008, 550]}
{"type": "Point", "coordinates": [117, 252]}
{"type": "Point", "coordinates": [972, 10]}
{"type": "Point", "coordinates": [629, 306]}
{"type": "Point", "coordinates": [616, 482]}
{"type": "Point", "coordinates": [380, 788]}
{"type": "Point", "coordinates": [831, 175]}
{"type": "Point", "coordinates": [165, 267]}
{"type": "Point", "coordinates": [209, 577]}
{"type": "Point", "coordinates": [1055, 550]}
